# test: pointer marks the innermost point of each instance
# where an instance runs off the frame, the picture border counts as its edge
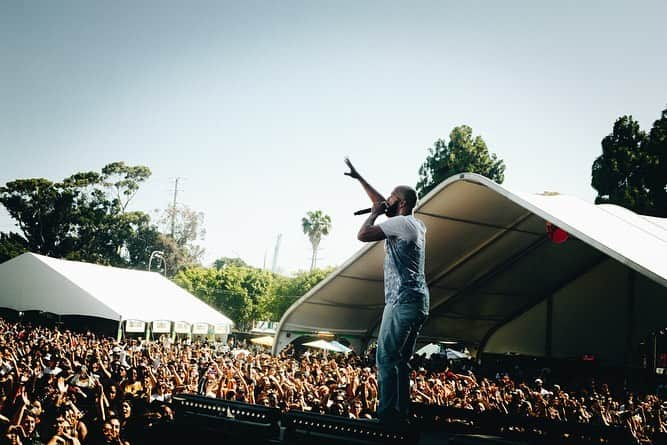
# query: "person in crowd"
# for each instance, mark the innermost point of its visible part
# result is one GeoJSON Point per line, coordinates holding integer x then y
{"type": "Point", "coordinates": [48, 393]}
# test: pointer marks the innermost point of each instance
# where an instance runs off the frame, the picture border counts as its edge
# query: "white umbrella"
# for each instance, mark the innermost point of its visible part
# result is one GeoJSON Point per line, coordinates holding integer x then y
{"type": "Point", "coordinates": [429, 350]}
{"type": "Point", "coordinates": [267, 340]}
{"type": "Point", "coordinates": [341, 346]}
{"type": "Point", "coordinates": [237, 352]}
{"type": "Point", "coordinates": [453, 354]}
{"type": "Point", "coordinates": [333, 346]}
{"type": "Point", "coordinates": [437, 348]}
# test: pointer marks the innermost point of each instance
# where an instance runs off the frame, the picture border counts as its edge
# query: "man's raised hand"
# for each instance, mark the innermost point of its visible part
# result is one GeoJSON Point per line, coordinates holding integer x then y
{"type": "Point", "coordinates": [353, 173]}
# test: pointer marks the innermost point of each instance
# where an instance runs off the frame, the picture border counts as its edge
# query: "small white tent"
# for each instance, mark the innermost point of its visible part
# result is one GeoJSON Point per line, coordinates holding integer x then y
{"type": "Point", "coordinates": [35, 282]}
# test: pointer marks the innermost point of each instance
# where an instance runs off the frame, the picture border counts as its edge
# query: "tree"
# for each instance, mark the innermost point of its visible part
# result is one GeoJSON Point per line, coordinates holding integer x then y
{"type": "Point", "coordinates": [125, 180]}
{"type": "Point", "coordinates": [11, 245]}
{"type": "Point", "coordinates": [462, 153]}
{"type": "Point", "coordinates": [44, 212]}
{"type": "Point", "coordinates": [657, 171]}
{"type": "Point", "coordinates": [245, 293]}
{"type": "Point", "coordinates": [315, 225]}
{"type": "Point", "coordinates": [79, 219]}
{"type": "Point", "coordinates": [242, 293]}
{"type": "Point", "coordinates": [181, 250]}
{"type": "Point", "coordinates": [288, 290]}
{"type": "Point", "coordinates": [628, 172]}
{"type": "Point", "coordinates": [226, 261]}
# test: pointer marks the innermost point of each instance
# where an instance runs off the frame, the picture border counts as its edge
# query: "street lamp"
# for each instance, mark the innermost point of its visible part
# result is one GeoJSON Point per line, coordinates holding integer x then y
{"type": "Point", "coordinates": [160, 255]}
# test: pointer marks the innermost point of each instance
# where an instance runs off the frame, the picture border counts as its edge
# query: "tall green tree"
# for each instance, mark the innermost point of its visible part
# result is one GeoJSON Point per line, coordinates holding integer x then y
{"type": "Point", "coordinates": [11, 245]}
{"type": "Point", "coordinates": [82, 217]}
{"type": "Point", "coordinates": [628, 172]}
{"type": "Point", "coordinates": [316, 225]}
{"type": "Point", "coordinates": [44, 212]}
{"type": "Point", "coordinates": [242, 293]}
{"type": "Point", "coordinates": [124, 180]}
{"type": "Point", "coordinates": [657, 172]}
{"type": "Point", "coordinates": [463, 153]}
{"type": "Point", "coordinates": [227, 261]}
{"type": "Point", "coordinates": [181, 249]}
{"type": "Point", "coordinates": [290, 289]}
{"type": "Point", "coordinates": [246, 294]}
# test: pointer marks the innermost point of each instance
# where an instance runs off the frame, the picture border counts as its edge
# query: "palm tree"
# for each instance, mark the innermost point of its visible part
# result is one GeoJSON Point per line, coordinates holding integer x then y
{"type": "Point", "coordinates": [315, 225]}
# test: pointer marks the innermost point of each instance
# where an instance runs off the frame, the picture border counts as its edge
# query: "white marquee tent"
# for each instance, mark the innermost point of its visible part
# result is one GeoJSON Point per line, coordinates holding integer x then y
{"type": "Point", "coordinates": [499, 284]}
{"type": "Point", "coordinates": [35, 282]}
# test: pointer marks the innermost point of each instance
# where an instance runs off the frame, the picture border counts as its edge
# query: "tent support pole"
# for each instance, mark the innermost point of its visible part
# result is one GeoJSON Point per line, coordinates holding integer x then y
{"type": "Point", "coordinates": [532, 304]}
{"type": "Point", "coordinates": [548, 334]}
{"type": "Point", "coordinates": [630, 316]}
{"type": "Point", "coordinates": [119, 336]}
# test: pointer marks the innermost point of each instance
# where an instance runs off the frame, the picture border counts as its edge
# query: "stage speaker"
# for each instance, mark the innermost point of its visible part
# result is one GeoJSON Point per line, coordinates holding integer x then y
{"type": "Point", "coordinates": [204, 418]}
{"type": "Point", "coordinates": [307, 428]}
{"type": "Point", "coordinates": [480, 439]}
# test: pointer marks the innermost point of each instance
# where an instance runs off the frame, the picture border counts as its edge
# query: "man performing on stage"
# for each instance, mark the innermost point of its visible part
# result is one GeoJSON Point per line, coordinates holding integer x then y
{"type": "Point", "coordinates": [406, 293]}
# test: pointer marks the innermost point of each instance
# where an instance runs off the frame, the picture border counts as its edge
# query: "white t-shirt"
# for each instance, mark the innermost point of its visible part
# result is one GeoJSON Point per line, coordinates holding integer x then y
{"type": "Point", "coordinates": [404, 279]}
{"type": "Point", "coordinates": [407, 228]}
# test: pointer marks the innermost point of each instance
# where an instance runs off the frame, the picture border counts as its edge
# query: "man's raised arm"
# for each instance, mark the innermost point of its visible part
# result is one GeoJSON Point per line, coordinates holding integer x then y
{"type": "Point", "coordinates": [370, 191]}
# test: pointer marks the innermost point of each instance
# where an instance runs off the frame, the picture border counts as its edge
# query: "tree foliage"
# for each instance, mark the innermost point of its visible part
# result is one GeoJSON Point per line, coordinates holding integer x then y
{"type": "Point", "coordinates": [82, 217]}
{"type": "Point", "coordinates": [11, 245]}
{"type": "Point", "coordinates": [125, 180]}
{"type": "Point", "coordinates": [316, 225]}
{"type": "Point", "coordinates": [182, 227]}
{"type": "Point", "coordinates": [244, 293]}
{"type": "Point", "coordinates": [632, 169]}
{"type": "Point", "coordinates": [288, 290]}
{"type": "Point", "coordinates": [226, 261]}
{"type": "Point", "coordinates": [462, 153]}
{"type": "Point", "coordinates": [239, 292]}
{"type": "Point", "coordinates": [657, 171]}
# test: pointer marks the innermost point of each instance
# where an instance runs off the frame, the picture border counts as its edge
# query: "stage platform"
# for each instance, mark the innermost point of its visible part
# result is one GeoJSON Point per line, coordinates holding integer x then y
{"type": "Point", "coordinates": [201, 419]}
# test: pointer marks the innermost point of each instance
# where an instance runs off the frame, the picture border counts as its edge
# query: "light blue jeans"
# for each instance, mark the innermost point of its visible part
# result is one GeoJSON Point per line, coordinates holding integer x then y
{"type": "Point", "coordinates": [400, 327]}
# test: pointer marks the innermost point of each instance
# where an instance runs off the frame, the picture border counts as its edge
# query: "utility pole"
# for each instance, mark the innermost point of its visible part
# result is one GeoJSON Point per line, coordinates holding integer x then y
{"type": "Point", "coordinates": [173, 209]}
{"type": "Point", "coordinates": [274, 266]}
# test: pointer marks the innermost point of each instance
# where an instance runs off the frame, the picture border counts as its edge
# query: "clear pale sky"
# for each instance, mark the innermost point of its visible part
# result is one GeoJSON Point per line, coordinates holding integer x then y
{"type": "Point", "coordinates": [255, 104]}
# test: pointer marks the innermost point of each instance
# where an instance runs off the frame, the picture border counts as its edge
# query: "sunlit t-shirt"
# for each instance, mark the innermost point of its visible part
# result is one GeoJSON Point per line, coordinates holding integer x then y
{"type": "Point", "coordinates": [405, 246]}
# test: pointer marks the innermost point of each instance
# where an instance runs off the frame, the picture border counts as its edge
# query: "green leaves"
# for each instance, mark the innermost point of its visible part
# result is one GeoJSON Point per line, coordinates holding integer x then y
{"type": "Point", "coordinates": [79, 218]}
{"type": "Point", "coordinates": [125, 180]}
{"type": "Point", "coordinates": [462, 154]}
{"type": "Point", "coordinates": [632, 169]}
{"type": "Point", "coordinates": [11, 245]}
{"type": "Point", "coordinates": [245, 293]}
{"type": "Point", "coordinates": [44, 212]}
{"type": "Point", "coordinates": [316, 224]}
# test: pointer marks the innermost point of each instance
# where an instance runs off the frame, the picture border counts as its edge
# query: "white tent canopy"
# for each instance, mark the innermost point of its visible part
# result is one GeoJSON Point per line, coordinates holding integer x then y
{"type": "Point", "coordinates": [438, 348]}
{"type": "Point", "coordinates": [499, 284]}
{"type": "Point", "coordinates": [325, 345]}
{"type": "Point", "coordinates": [35, 282]}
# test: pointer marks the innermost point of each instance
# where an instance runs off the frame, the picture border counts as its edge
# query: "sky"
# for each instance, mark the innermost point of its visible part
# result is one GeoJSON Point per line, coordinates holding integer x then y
{"type": "Point", "coordinates": [255, 104]}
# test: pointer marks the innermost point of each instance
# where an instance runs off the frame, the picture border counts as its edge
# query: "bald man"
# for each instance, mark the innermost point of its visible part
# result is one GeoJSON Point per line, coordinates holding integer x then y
{"type": "Point", "coordinates": [406, 294]}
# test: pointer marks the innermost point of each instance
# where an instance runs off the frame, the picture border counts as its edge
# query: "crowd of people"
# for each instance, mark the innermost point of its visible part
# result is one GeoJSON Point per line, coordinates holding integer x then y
{"type": "Point", "coordinates": [62, 387]}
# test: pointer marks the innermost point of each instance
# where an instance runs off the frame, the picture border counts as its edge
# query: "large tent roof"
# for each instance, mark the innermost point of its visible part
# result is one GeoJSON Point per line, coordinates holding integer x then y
{"type": "Point", "coordinates": [490, 264]}
{"type": "Point", "coordinates": [35, 282]}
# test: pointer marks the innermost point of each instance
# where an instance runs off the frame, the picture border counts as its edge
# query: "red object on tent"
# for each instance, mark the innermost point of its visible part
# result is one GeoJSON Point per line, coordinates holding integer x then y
{"type": "Point", "coordinates": [556, 234]}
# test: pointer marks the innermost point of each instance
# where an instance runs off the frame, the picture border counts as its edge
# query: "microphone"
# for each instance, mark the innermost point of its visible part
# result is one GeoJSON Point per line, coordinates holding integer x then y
{"type": "Point", "coordinates": [368, 210]}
